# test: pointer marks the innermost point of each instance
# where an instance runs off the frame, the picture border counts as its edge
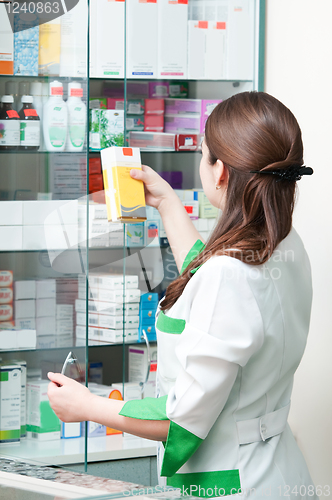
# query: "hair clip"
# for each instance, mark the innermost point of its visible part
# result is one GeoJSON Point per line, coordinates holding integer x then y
{"type": "Point", "coordinates": [292, 173]}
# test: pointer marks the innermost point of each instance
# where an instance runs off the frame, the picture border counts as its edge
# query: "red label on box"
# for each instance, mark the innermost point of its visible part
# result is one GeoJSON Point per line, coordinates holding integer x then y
{"type": "Point", "coordinates": [221, 26]}
{"type": "Point", "coordinates": [127, 151]}
{"type": "Point", "coordinates": [153, 367]}
{"type": "Point", "coordinates": [153, 233]}
{"type": "Point", "coordinates": [12, 113]}
{"type": "Point", "coordinates": [189, 209]}
{"type": "Point", "coordinates": [30, 112]}
{"type": "Point", "coordinates": [203, 25]}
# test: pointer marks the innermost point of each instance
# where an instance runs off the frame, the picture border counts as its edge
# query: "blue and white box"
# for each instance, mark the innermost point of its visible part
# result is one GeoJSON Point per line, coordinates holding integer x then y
{"type": "Point", "coordinates": [26, 49]}
{"type": "Point", "coordinates": [149, 301]}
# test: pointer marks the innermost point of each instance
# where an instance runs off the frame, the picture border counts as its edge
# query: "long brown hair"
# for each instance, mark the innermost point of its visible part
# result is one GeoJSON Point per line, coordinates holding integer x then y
{"type": "Point", "coordinates": [249, 131]}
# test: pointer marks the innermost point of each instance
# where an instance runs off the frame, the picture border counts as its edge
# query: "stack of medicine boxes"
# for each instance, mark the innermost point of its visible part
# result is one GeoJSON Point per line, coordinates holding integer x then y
{"type": "Point", "coordinates": [113, 311]}
{"type": "Point", "coordinates": [147, 315]}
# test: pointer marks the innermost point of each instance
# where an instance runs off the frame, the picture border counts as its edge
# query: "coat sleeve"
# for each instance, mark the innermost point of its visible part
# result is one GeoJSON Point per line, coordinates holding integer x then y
{"type": "Point", "coordinates": [223, 331]}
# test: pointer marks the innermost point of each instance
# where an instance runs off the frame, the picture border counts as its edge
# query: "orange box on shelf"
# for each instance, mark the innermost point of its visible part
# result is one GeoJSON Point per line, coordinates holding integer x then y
{"type": "Point", "coordinates": [95, 183]}
{"type": "Point", "coordinates": [94, 166]}
{"type": "Point", "coordinates": [6, 295]}
{"type": "Point", "coordinates": [154, 106]}
{"type": "Point", "coordinates": [115, 394]}
{"type": "Point", "coordinates": [6, 278]}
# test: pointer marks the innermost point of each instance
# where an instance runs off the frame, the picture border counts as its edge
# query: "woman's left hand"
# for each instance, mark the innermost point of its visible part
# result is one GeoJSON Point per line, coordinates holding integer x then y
{"type": "Point", "coordinates": [69, 399]}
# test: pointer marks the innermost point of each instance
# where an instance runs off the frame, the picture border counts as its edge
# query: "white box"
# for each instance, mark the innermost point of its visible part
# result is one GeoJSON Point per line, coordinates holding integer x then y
{"type": "Point", "coordinates": [11, 212]}
{"type": "Point", "coordinates": [107, 38]}
{"type": "Point", "coordinates": [25, 289]}
{"type": "Point", "coordinates": [74, 41]}
{"type": "Point", "coordinates": [240, 45]}
{"type": "Point", "coordinates": [45, 307]}
{"type": "Point", "coordinates": [46, 342]}
{"type": "Point", "coordinates": [196, 49]}
{"type": "Point", "coordinates": [64, 311]}
{"type": "Point", "coordinates": [42, 423]}
{"type": "Point", "coordinates": [49, 237]}
{"type": "Point", "coordinates": [54, 212]}
{"type": "Point", "coordinates": [6, 43]}
{"type": "Point", "coordinates": [138, 365]}
{"type": "Point", "coordinates": [129, 390]}
{"type": "Point", "coordinates": [142, 39]}
{"type": "Point", "coordinates": [70, 430]}
{"type": "Point", "coordinates": [80, 332]}
{"type": "Point", "coordinates": [117, 296]}
{"type": "Point", "coordinates": [46, 326]}
{"type": "Point", "coordinates": [23, 365]}
{"type": "Point", "coordinates": [26, 339]}
{"type": "Point", "coordinates": [45, 289]}
{"type": "Point", "coordinates": [26, 323]}
{"type": "Point", "coordinates": [24, 309]}
{"type": "Point", "coordinates": [64, 327]}
{"type": "Point", "coordinates": [11, 237]}
{"type": "Point", "coordinates": [113, 281]}
{"type": "Point", "coordinates": [172, 39]}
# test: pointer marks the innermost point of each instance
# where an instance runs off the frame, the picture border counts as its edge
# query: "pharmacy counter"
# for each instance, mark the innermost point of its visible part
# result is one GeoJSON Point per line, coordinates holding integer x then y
{"type": "Point", "coordinates": [71, 451]}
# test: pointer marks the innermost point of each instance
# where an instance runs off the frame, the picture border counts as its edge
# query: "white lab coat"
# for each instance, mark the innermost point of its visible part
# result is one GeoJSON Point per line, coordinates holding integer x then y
{"type": "Point", "coordinates": [227, 353]}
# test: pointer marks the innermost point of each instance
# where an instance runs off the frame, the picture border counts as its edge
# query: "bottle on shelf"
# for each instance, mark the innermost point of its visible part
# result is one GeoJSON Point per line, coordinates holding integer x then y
{"type": "Point", "coordinates": [24, 89]}
{"type": "Point", "coordinates": [11, 88]}
{"type": "Point", "coordinates": [55, 119]}
{"type": "Point", "coordinates": [36, 90]}
{"type": "Point", "coordinates": [9, 124]}
{"type": "Point", "coordinates": [29, 125]}
{"type": "Point", "coordinates": [76, 118]}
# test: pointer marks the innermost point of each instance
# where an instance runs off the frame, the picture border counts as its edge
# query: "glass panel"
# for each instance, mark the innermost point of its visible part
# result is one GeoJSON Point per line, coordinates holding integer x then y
{"type": "Point", "coordinates": [43, 162]}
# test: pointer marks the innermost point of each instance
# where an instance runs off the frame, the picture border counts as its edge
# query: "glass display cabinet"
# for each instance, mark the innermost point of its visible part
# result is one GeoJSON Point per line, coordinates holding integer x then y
{"type": "Point", "coordinates": [74, 285]}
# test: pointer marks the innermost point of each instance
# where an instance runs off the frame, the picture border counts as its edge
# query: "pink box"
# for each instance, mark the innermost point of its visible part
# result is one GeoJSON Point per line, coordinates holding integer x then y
{"type": "Point", "coordinates": [152, 140]}
{"type": "Point", "coordinates": [180, 106]}
{"type": "Point", "coordinates": [154, 106]}
{"type": "Point", "coordinates": [183, 124]}
{"type": "Point", "coordinates": [158, 89]}
{"type": "Point", "coordinates": [154, 123]}
{"type": "Point", "coordinates": [208, 106]}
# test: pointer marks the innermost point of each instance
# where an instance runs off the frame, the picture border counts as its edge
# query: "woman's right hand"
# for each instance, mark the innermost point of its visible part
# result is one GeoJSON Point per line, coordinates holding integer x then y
{"type": "Point", "coordinates": [156, 188]}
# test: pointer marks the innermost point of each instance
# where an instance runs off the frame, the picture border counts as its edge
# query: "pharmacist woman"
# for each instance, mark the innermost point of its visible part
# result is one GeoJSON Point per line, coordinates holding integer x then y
{"type": "Point", "coordinates": [233, 326]}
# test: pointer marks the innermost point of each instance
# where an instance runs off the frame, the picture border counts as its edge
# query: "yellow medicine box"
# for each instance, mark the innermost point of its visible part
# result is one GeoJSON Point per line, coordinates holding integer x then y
{"type": "Point", "coordinates": [125, 200]}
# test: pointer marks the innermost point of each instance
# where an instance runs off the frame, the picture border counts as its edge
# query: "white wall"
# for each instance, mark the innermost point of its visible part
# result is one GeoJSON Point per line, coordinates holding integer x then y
{"type": "Point", "coordinates": [299, 73]}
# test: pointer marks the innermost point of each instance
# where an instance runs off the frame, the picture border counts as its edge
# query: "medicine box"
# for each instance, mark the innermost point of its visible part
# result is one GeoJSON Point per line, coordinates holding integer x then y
{"type": "Point", "coordinates": [25, 308]}
{"type": "Point", "coordinates": [46, 307]}
{"type": "Point", "coordinates": [26, 48]}
{"type": "Point", "coordinates": [152, 141]}
{"type": "Point", "coordinates": [154, 123]}
{"type": "Point", "coordinates": [42, 422]}
{"type": "Point", "coordinates": [45, 326]}
{"type": "Point", "coordinates": [134, 106]}
{"type": "Point", "coordinates": [159, 89]}
{"type": "Point", "coordinates": [97, 103]}
{"type": "Point", "coordinates": [152, 233]}
{"type": "Point", "coordinates": [147, 317]}
{"type": "Point", "coordinates": [138, 365]}
{"type": "Point", "coordinates": [73, 41]}
{"type": "Point", "coordinates": [70, 430]}
{"type": "Point", "coordinates": [117, 296]}
{"type": "Point", "coordinates": [23, 414]}
{"type": "Point", "coordinates": [6, 312]}
{"type": "Point", "coordinates": [154, 106]}
{"type": "Point", "coordinates": [149, 301]}
{"type": "Point", "coordinates": [107, 38]}
{"type": "Point", "coordinates": [45, 289]}
{"type": "Point", "coordinates": [6, 277]}
{"type": "Point", "coordinates": [10, 403]}
{"type": "Point", "coordinates": [124, 195]}
{"type": "Point", "coordinates": [6, 43]}
{"type": "Point", "coordinates": [183, 123]}
{"type": "Point", "coordinates": [49, 48]}
{"type": "Point", "coordinates": [188, 142]}
{"type": "Point", "coordinates": [11, 212]}
{"type": "Point", "coordinates": [25, 289]}
{"type": "Point", "coordinates": [142, 36]}
{"type": "Point", "coordinates": [208, 106]}
{"type": "Point", "coordinates": [129, 390]}
{"type": "Point", "coordinates": [11, 237]}
{"type": "Point", "coordinates": [106, 128]}
{"type": "Point", "coordinates": [111, 281]}
{"type": "Point", "coordinates": [172, 38]}
{"type": "Point", "coordinates": [135, 122]}
{"type": "Point", "coordinates": [26, 323]}
{"type": "Point", "coordinates": [182, 106]}
{"type": "Point", "coordinates": [6, 295]}
{"type": "Point", "coordinates": [150, 331]}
